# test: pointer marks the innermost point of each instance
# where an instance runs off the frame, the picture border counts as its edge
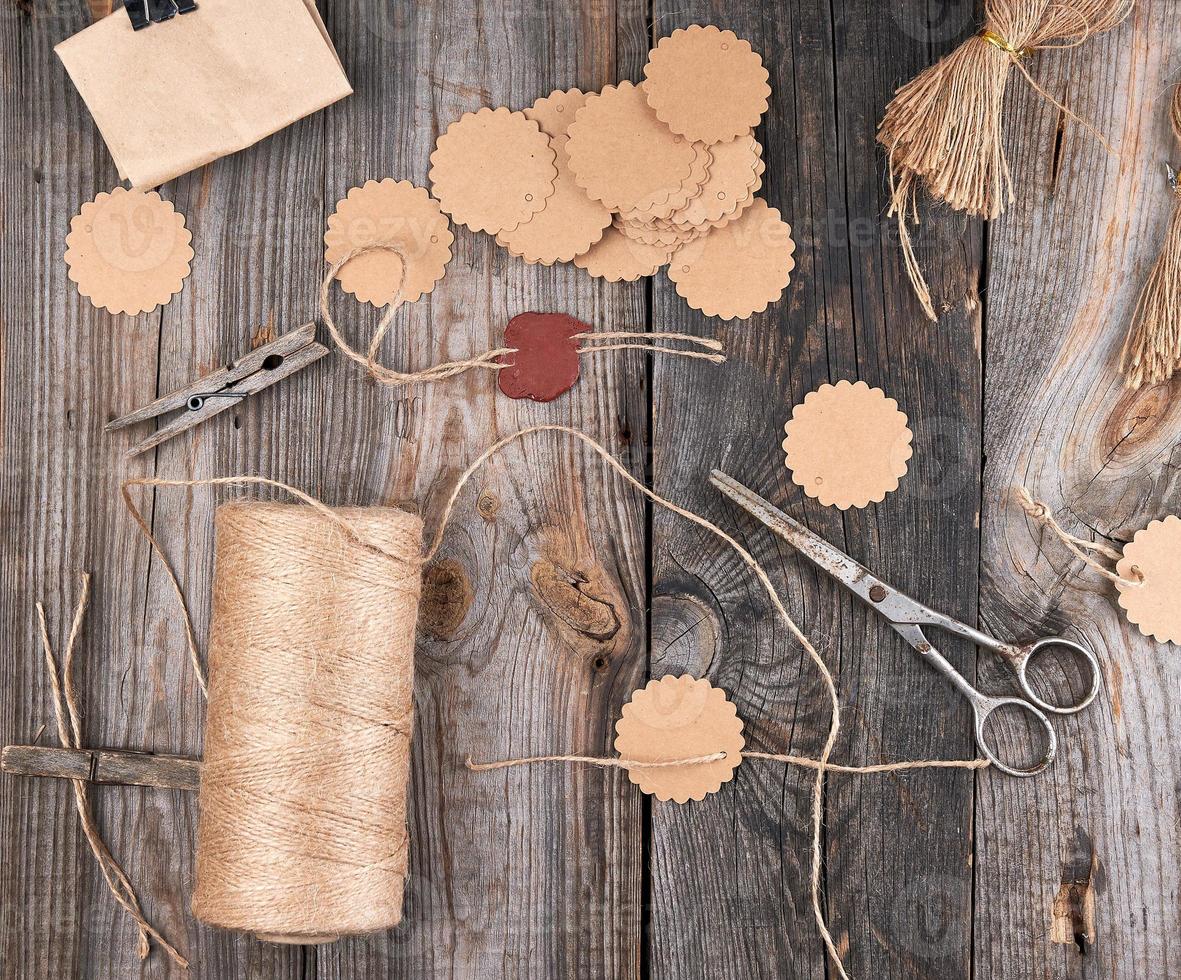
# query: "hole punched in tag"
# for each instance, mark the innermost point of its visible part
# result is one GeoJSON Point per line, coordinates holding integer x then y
{"type": "Point", "coordinates": [142, 13]}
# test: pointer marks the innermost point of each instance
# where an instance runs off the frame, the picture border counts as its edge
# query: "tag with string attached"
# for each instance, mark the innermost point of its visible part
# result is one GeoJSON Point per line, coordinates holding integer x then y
{"type": "Point", "coordinates": [1147, 573]}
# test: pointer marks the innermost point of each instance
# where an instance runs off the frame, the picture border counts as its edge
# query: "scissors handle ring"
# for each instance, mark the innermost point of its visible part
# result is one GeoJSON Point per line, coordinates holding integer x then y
{"type": "Point", "coordinates": [985, 706]}
{"type": "Point", "coordinates": [1026, 653]}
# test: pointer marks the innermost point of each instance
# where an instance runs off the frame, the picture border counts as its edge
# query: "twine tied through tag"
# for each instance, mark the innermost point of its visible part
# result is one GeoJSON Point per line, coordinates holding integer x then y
{"type": "Point", "coordinates": [492, 360]}
{"type": "Point", "coordinates": [1081, 548]}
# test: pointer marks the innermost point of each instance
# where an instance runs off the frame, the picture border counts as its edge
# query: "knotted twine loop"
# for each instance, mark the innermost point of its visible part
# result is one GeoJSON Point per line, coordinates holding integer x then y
{"type": "Point", "coordinates": [489, 360]}
{"type": "Point", "coordinates": [65, 707]}
{"type": "Point", "coordinates": [1079, 547]}
{"type": "Point", "coordinates": [1152, 352]}
{"type": "Point", "coordinates": [379, 372]}
{"type": "Point", "coordinates": [943, 130]}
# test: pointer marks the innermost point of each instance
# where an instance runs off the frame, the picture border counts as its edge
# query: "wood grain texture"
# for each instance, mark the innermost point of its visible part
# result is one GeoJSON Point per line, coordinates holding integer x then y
{"type": "Point", "coordinates": [730, 877]}
{"type": "Point", "coordinates": [1066, 267]}
{"type": "Point", "coordinates": [557, 591]}
{"type": "Point", "coordinates": [103, 766]}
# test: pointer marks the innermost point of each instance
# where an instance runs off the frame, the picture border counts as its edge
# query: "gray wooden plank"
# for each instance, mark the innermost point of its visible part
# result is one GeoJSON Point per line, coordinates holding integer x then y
{"type": "Point", "coordinates": [730, 875]}
{"type": "Point", "coordinates": [57, 494]}
{"type": "Point", "coordinates": [1066, 267]}
{"type": "Point", "coordinates": [532, 872]}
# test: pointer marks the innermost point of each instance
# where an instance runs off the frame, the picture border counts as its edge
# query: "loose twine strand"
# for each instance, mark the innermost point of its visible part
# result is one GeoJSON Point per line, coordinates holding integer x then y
{"type": "Point", "coordinates": [820, 765]}
{"type": "Point", "coordinates": [1152, 352]}
{"type": "Point", "coordinates": [1079, 547]}
{"type": "Point", "coordinates": [65, 707]}
{"type": "Point", "coordinates": [943, 129]}
{"type": "Point", "coordinates": [489, 360]}
{"type": "Point", "coordinates": [609, 762]}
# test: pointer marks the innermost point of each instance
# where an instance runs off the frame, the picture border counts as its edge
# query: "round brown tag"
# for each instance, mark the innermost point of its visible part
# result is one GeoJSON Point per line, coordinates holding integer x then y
{"type": "Point", "coordinates": [1154, 558]}
{"type": "Point", "coordinates": [679, 718]}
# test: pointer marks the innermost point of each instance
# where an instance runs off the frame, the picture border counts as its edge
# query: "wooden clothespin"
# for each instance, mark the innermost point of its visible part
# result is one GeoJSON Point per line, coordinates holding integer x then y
{"type": "Point", "coordinates": [103, 766]}
{"type": "Point", "coordinates": [216, 392]}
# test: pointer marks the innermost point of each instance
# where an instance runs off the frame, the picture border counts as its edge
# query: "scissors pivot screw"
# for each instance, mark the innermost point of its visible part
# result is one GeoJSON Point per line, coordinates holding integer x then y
{"type": "Point", "coordinates": [877, 593]}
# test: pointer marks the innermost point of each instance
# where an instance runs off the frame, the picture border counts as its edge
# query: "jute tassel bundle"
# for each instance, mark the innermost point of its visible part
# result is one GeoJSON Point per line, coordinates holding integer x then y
{"type": "Point", "coordinates": [943, 130]}
{"type": "Point", "coordinates": [1152, 351]}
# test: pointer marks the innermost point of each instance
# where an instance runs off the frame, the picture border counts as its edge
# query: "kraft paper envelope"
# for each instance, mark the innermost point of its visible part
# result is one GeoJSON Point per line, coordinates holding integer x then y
{"type": "Point", "coordinates": [181, 93]}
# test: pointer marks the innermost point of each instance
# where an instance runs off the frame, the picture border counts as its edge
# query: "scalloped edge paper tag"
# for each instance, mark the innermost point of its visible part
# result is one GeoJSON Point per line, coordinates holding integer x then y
{"type": "Point", "coordinates": [555, 112]}
{"type": "Point", "coordinates": [706, 84]}
{"type": "Point", "coordinates": [739, 269]}
{"type": "Point", "coordinates": [847, 445]}
{"type": "Point", "coordinates": [1154, 605]}
{"type": "Point", "coordinates": [388, 212]}
{"type": "Point", "coordinates": [568, 225]}
{"type": "Point", "coordinates": [617, 258]}
{"type": "Point", "coordinates": [493, 169]}
{"type": "Point", "coordinates": [680, 718]}
{"type": "Point", "coordinates": [129, 251]}
{"type": "Point", "coordinates": [622, 155]}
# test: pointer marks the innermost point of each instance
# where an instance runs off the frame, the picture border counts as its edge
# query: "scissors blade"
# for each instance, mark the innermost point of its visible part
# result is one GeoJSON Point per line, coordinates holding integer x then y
{"type": "Point", "coordinates": [894, 605]}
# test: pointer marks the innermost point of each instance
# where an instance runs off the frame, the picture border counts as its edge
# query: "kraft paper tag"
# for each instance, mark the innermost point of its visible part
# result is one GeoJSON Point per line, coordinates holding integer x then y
{"type": "Point", "coordinates": [389, 212]}
{"type": "Point", "coordinates": [739, 269]}
{"type": "Point", "coordinates": [622, 155]}
{"type": "Point", "coordinates": [1154, 556]}
{"type": "Point", "coordinates": [181, 93]}
{"type": "Point", "coordinates": [568, 225]}
{"type": "Point", "coordinates": [617, 258]}
{"type": "Point", "coordinates": [680, 718]}
{"type": "Point", "coordinates": [545, 362]}
{"type": "Point", "coordinates": [493, 169]}
{"type": "Point", "coordinates": [847, 445]}
{"type": "Point", "coordinates": [706, 84]}
{"type": "Point", "coordinates": [556, 111]}
{"type": "Point", "coordinates": [690, 188]}
{"type": "Point", "coordinates": [660, 233]}
{"type": "Point", "coordinates": [733, 174]}
{"type": "Point", "coordinates": [128, 251]}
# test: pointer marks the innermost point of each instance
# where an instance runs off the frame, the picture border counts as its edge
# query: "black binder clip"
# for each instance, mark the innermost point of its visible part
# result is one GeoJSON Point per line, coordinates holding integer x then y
{"type": "Point", "coordinates": [145, 12]}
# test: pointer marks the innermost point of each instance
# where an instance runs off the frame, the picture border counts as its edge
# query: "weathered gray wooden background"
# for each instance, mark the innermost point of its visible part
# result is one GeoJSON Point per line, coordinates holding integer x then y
{"type": "Point", "coordinates": [577, 590]}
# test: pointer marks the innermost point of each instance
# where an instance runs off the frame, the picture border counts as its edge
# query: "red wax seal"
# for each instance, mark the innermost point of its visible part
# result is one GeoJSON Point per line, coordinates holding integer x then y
{"type": "Point", "coordinates": [545, 362]}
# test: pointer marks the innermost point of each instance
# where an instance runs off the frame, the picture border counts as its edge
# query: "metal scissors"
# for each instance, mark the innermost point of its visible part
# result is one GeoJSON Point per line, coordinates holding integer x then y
{"type": "Point", "coordinates": [908, 617]}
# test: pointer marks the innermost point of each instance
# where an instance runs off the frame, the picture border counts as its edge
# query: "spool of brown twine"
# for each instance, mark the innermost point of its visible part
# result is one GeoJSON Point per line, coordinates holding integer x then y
{"type": "Point", "coordinates": [302, 829]}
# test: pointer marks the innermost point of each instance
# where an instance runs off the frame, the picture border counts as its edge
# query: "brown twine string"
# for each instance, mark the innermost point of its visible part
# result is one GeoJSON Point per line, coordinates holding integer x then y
{"type": "Point", "coordinates": [608, 762]}
{"type": "Point", "coordinates": [820, 765]}
{"type": "Point", "coordinates": [1152, 352]}
{"type": "Point", "coordinates": [943, 129]}
{"type": "Point", "coordinates": [310, 717]}
{"type": "Point", "coordinates": [1079, 547]}
{"type": "Point", "coordinates": [65, 707]}
{"type": "Point", "coordinates": [747, 558]}
{"type": "Point", "coordinates": [489, 360]}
